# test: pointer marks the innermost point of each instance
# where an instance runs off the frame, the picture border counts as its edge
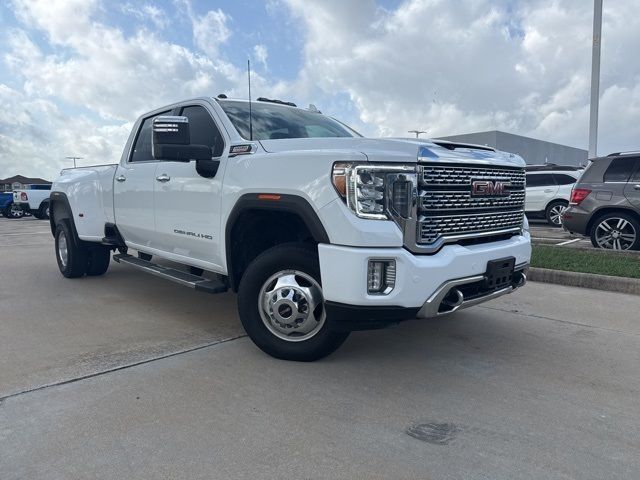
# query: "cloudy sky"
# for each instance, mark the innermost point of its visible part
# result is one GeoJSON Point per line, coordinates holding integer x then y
{"type": "Point", "coordinates": [74, 74]}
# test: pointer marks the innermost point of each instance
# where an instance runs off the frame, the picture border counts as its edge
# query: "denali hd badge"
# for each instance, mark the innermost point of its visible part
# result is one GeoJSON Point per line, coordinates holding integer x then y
{"type": "Point", "coordinates": [192, 234]}
{"type": "Point", "coordinates": [488, 188]}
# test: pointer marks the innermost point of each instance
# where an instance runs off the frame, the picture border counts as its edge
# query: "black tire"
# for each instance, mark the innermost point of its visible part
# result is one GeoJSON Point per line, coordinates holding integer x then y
{"type": "Point", "coordinates": [633, 226]}
{"type": "Point", "coordinates": [11, 212]}
{"type": "Point", "coordinates": [74, 265]}
{"type": "Point", "coordinates": [98, 261]}
{"type": "Point", "coordinates": [145, 256]}
{"type": "Point", "coordinates": [43, 211]}
{"type": "Point", "coordinates": [302, 258]}
{"type": "Point", "coordinates": [553, 209]}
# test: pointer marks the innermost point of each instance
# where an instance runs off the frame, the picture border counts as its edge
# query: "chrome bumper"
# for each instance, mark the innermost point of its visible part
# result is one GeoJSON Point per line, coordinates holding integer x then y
{"type": "Point", "coordinates": [448, 298]}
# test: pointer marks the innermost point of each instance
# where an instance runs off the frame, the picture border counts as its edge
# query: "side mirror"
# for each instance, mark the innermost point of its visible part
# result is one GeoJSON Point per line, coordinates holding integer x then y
{"type": "Point", "coordinates": [171, 141]}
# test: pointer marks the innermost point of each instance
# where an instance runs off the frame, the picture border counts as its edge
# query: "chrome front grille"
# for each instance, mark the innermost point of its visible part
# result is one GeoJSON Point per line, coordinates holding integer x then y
{"type": "Point", "coordinates": [457, 200]}
{"type": "Point", "coordinates": [449, 210]}
{"type": "Point", "coordinates": [450, 176]}
{"type": "Point", "coordinates": [432, 228]}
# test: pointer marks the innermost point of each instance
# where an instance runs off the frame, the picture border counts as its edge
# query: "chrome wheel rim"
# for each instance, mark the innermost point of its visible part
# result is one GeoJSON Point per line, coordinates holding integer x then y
{"type": "Point", "coordinates": [291, 305]}
{"type": "Point", "coordinates": [615, 233]}
{"type": "Point", "coordinates": [46, 211]}
{"type": "Point", "coordinates": [555, 214]}
{"type": "Point", "coordinates": [16, 212]}
{"type": "Point", "coordinates": [63, 251]}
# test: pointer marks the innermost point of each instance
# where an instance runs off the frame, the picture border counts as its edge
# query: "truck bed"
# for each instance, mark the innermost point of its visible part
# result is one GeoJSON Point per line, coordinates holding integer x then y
{"type": "Point", "coordinates": [89, 191]}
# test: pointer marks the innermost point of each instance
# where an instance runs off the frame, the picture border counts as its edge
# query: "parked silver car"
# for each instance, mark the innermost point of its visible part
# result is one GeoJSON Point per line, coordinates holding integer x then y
{"type": "Point", "coordinates": [605, 202]}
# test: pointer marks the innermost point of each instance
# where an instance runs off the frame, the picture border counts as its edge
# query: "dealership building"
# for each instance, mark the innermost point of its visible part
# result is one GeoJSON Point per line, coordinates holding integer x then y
{"type": "Point", "coordinates": [534, 152]}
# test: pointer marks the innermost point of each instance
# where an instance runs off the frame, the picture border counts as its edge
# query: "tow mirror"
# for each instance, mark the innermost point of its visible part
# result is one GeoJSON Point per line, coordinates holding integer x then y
{"type": "Point", "coordinates": [171, 141]}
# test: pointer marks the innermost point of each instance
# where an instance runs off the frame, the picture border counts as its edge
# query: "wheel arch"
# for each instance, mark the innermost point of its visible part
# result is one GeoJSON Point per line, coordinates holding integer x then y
{"type": "Point", "coordinates": [59, 211]}
{"type": "Point", "coordinates": [252, 211]}
{"type": "Point", "coordinates": [556, 200]}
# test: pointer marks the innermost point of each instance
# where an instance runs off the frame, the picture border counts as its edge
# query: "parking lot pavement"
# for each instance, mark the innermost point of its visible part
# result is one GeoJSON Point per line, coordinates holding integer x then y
{"type": "Point", "coordinates": [541, 232]}
{"type": "Point", "coordinates": [539, 384]}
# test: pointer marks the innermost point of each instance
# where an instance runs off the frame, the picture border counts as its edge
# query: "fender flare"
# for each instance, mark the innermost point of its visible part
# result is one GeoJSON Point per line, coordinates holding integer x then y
{"type": "Point", "coordinates": [284, 203]}
{"type": "Point", "coordinates": [60, 210]}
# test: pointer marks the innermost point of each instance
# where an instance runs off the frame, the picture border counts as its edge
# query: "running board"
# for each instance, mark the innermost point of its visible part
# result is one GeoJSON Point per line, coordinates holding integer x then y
{"type": "Point", "coordinates": [194, 281]}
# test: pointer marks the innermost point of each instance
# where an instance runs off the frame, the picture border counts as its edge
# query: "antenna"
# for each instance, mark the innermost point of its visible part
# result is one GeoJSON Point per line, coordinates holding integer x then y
{"type": "Point", "coordinates": [250, 113]}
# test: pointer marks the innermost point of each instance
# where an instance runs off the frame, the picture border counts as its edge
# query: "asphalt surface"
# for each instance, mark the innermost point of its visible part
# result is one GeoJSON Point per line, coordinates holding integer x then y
{"type": "Point", "coordinates": [543, 233]}
{"type": "Point", "coordinates": [130, 376]}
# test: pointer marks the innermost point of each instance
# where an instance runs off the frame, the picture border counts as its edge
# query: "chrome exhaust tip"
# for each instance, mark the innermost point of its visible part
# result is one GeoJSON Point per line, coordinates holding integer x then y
{"type": "Point", "coordinates": [452, 300]}
{"type": "Point", "coordinates": [519, 279]}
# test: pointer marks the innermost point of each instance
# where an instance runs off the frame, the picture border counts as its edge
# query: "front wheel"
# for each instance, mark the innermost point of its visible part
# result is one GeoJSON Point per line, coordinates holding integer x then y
{"type": "Point", "coordinates": [281, 305]}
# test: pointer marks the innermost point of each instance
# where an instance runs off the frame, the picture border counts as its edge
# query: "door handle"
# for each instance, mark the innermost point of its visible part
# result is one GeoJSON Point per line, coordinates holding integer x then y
{"type": "Point", "coordinates": [121, 178]}
{"type": "Point", "coordinates": [636, 187]}
{"type": "Point", "coordinates": [163, 178]}
{"type": "Point", "coordinates": [549, 190]}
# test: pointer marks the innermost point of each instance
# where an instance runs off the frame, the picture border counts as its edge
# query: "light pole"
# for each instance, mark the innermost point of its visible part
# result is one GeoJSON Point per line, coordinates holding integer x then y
{"type": "Point", "coordinates": [74, 160]}
{"type": "Point", "coordinates": [417, 132]}
{"type": "Point", "coordinates": [595, 79]}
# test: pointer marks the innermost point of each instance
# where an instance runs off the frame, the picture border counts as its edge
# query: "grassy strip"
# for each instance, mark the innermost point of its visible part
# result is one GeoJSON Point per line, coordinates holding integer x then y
{"type": "Point", "coordinates": [585, 261]}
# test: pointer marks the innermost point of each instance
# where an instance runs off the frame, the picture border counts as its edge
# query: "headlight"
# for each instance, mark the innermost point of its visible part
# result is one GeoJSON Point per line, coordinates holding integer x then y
{"type": "Point", "coordinates": [375, 191]}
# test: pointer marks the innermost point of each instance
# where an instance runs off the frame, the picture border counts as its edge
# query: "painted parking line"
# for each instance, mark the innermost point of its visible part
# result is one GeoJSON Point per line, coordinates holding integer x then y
{"type": "Point", "coordinates": [569, 241]}
{"type": "Point", "coordinates": [22, 234]}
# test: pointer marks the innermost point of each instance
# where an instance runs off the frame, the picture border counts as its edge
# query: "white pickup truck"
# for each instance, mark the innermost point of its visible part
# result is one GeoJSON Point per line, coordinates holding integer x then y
{"type": "Point", "coordinates": [319, 230]}
{"type": "Point", "coordinates": [33, 200]}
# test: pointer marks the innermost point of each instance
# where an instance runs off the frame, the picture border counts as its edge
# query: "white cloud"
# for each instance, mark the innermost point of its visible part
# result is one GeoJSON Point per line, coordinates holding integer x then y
{"type": "Point", "coordinates": [456, 67]}
{"type": "Point", "coordinates": [261, 54]}
{"type": "Point", "coordinates": [110, 77]}
{"type": "Point", "coordinates": [210, 30]}
{"type": "Point", "coordinates": [35, 136]}
{"type": "Point", "coordinates": [149, 12]}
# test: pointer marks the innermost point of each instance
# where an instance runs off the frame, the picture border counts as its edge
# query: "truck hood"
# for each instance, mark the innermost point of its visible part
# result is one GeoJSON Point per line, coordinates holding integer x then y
{"type": "Point", "coordinates": [405, 150]}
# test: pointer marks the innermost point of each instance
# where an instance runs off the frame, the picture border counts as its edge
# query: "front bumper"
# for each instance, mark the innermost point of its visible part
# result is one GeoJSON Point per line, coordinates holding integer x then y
{"type": "Point", "coordinates": [423, 282]}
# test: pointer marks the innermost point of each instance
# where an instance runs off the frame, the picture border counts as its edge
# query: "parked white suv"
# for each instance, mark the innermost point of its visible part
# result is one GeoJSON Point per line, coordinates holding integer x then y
{"type": "Point", "coordinates": [548, 191]}
{"type": "Point", "coordinates": [319, 230]}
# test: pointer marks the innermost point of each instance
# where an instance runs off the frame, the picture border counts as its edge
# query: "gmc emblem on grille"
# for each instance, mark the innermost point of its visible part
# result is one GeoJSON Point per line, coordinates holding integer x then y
{"type": "Point", "coordinates": [488, 188]}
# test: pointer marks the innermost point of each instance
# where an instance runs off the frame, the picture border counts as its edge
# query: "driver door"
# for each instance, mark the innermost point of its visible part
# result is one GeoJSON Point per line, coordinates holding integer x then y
{"type": "Point", "coordinates": [187, 204]}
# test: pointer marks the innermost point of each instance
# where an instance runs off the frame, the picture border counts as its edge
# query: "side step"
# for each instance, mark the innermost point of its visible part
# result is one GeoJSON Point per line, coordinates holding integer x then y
{"type": "Point", "coordinates": [199, 283]}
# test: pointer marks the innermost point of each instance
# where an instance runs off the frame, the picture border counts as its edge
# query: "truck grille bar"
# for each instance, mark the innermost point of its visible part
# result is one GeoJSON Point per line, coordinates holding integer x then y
{"type": "Point", "coordinates": [450, 209]}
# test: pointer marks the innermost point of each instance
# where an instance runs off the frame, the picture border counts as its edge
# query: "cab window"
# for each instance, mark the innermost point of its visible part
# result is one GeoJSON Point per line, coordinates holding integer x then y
{"type": "Point", "coordinates": [203, 129]}
{"type": "Point", "coordinates": [142, 145]}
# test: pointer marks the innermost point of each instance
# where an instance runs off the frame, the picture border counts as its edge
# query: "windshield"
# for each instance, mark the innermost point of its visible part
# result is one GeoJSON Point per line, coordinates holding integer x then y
{"type": "Point", "coordinates": [272, 121]}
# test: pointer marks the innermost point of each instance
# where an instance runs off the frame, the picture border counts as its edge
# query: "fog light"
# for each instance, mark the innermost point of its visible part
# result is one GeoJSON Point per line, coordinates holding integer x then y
{"type": "Point", "coordinates": [381, 276]}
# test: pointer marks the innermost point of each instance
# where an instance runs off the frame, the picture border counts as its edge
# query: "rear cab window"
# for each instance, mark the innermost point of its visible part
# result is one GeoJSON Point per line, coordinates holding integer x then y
{"type": "Point", "coordinates": [141, 151]}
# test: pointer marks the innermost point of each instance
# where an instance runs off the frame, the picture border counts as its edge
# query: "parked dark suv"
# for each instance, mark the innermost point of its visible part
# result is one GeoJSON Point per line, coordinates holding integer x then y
{"type": "Point", "coordinates": [605, 202]}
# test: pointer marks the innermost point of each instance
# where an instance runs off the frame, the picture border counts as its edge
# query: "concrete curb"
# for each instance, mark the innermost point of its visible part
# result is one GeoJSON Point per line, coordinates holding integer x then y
{"type": "Point", "coordinates": [585, 280]}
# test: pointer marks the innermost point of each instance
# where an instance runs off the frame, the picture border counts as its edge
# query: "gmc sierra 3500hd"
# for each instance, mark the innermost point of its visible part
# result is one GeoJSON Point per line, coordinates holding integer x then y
{"type": "Point", "coordinates": [319, 230]}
